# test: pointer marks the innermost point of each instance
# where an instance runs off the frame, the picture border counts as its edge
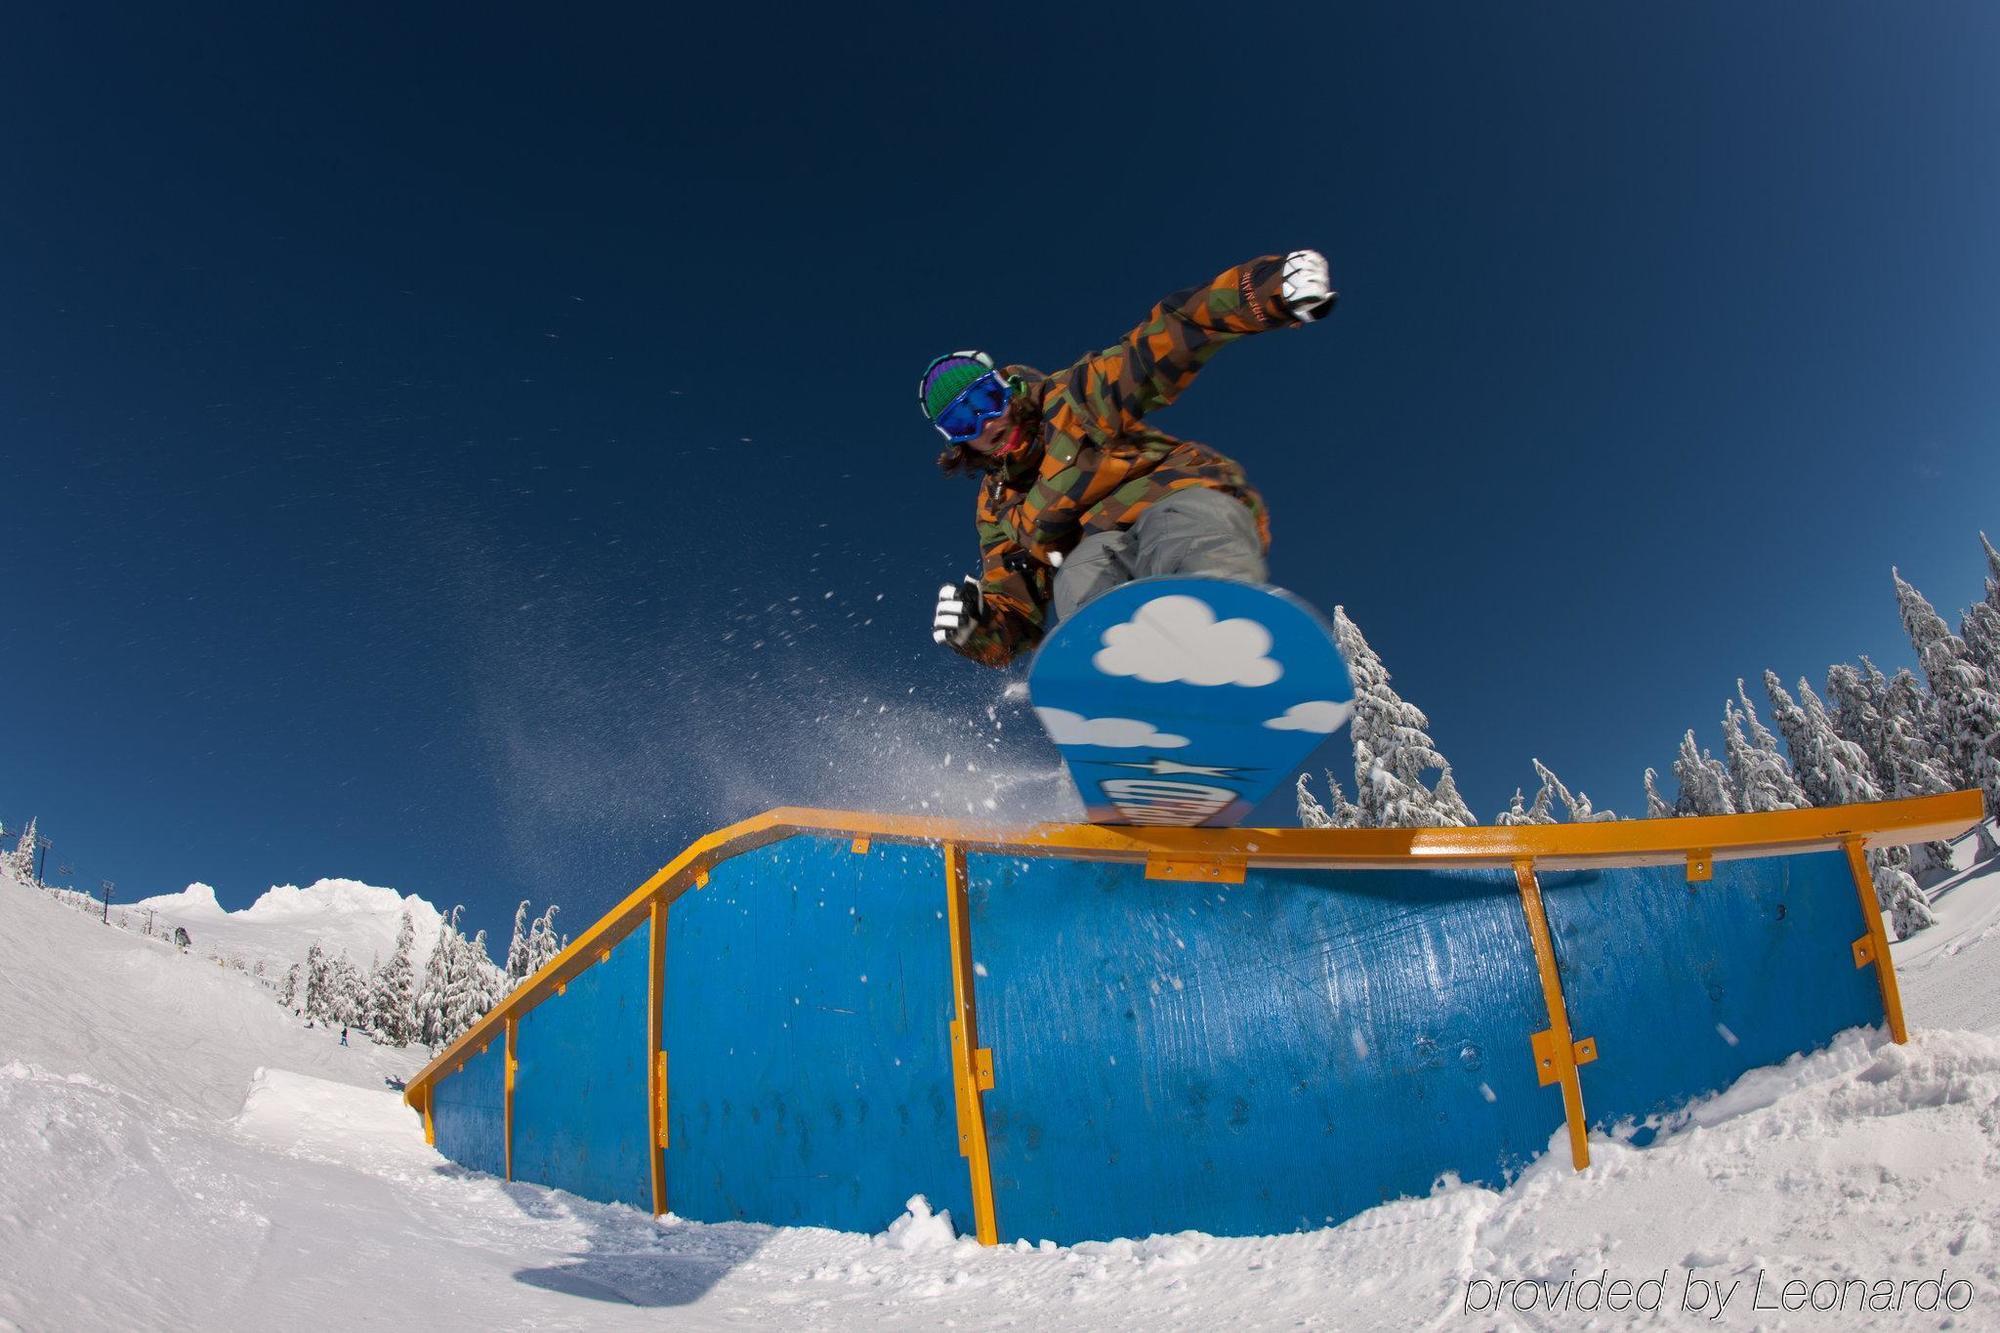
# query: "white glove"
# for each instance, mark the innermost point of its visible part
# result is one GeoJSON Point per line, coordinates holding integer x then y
{"type": "Point", "coordinates": [1307, 294]}
{"type": "Point", "coordinates": [959, 609]}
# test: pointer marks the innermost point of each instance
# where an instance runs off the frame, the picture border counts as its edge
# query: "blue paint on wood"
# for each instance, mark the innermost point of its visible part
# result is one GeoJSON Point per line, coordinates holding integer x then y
{"type": "Point", "coordinates": [1249, 1059]}
{"type": "Point", "coordinates": [469, 1112]}
{"type": "Point", "coordinates": [580, 1120]}
{"type": "Point", "coordinates": [1686, 987]}
{"type": "Point", "coordinates": [807, 1019]}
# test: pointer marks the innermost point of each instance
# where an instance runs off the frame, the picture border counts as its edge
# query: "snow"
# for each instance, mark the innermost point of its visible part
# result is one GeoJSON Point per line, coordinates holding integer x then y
{"type": "Point", "coordinates": [342, 915]}
{"type": "Point", "coordinates": [178, 1152]}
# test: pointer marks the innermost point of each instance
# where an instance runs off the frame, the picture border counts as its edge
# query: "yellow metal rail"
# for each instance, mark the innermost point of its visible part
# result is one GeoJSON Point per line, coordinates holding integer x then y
{"type": "Point", "coordinates": [1180, 853]}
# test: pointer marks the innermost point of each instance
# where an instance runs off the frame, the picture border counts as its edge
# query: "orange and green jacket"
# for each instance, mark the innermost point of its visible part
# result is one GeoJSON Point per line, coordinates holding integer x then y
{"type": "Point", "coordinates": [1096, 465]}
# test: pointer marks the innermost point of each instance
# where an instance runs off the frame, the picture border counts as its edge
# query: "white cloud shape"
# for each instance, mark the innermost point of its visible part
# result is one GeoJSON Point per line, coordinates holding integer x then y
{"type": "Point", "coordinates": [1115, 733]}
{"type": "Point", "coordinates": [1177, 640]}
{"type": "Point", "coordinates": [1321, 715]}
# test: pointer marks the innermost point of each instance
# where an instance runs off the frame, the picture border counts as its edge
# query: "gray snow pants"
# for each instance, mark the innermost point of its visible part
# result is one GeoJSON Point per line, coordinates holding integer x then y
{"type": "Point", "coordinates": [1195, 530]}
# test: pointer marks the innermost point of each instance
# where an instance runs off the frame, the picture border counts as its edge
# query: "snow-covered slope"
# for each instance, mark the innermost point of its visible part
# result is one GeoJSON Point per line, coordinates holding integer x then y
{"type": "Point", "coordinates": [277, 929]}
{"type": "Point", "coordinates": [175, 1152]}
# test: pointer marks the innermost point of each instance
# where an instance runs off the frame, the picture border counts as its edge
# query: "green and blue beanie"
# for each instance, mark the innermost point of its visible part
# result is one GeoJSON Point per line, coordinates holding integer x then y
{"type": "Point", "coordinates": [947, 377]}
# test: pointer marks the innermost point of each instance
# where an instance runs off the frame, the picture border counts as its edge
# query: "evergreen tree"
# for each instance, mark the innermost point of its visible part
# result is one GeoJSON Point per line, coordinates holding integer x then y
{"type": "Point", "coordinates": [1518, 813]}
{"type": "Point", "coordinates": [1909, 911]}
{"type": "Point", "coordinates": [1392, 747]}
{"type": "Point", "coordinates": [1580, 811]}
{"type": "Point", "coordinates": [1311, 815]}
{"type": "Point", "coordinates": [1992, 573]}
{"type": "Point", "coordinates": [1980, 629]}
{"type": "Point", "coordinates": [1850, 777]}
{"type": "Point", "coordinates": [1760, 778]}
{"type": "Point", "coordinates": [319, 980]}
{"type": "Point", "coordinates": [1704, 782]}
{"type": "Point", "coordinates": [1515, 814]}
{"type": "Point", "coordinates": [1969, 709]}
{"type": "Point", "coordinates": [392, 997]}
{"type": "Point", "coordinates": [431, 995]}
{"type": "Point", "coordinates": [288, 993]}
{"type": "Point", "coordinates": [1908, 765]}
{"type": "Point", "coordinates": [1656, 804]}
{"type": "Point", "coordinates": [23, 859]}
{"type": "Point", "coordinates": [1451, 806]}
{"type": "Point", "coordinates": [543, 943]}
{"type": "Point", "coordinates": [517, 948]}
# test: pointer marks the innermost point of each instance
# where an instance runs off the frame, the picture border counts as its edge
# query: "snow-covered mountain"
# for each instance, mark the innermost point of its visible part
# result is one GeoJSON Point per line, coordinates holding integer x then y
{"type": "Point", "coordinates": [277, 929]}
{"type": "Point", "coordinates": [177, 1152]}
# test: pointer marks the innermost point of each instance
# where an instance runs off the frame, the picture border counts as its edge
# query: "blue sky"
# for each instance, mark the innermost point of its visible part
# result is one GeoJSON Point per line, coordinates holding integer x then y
{"type": "Point", "coordinates": [415, 428]}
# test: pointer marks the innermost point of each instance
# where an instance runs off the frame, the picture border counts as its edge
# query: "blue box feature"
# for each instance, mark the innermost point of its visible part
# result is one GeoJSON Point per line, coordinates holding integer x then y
{"type": "Point", "coordinates": [1688, 986]}
{"type": "Point", "coordinates": [469, 1112]}
{"type": "Point", "coordinates": [807, 1017]}
{"type": "Point", "coordinates": [1242, 1060]}
{"type": "Point", "coordinates": [580, 1094]}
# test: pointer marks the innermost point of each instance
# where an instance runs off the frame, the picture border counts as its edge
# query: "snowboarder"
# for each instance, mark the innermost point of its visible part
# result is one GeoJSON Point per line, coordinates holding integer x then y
{"type": "Point", "coordinates": [1078, 494]}
{"type": "Point", "coordinates": [343, 1036]}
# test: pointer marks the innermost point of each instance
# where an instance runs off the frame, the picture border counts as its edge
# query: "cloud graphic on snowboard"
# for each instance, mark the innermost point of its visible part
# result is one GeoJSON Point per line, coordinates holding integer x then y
{"type": "Point", "coordinates": [1113, 733]}
{"type": "Point", "coordinates": [1177, 640]}
{"type": "Point", "coordinates": [1319, 715]}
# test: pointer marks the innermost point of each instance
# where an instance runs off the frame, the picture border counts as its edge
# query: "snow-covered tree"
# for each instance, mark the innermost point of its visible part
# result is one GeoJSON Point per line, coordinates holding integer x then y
{"type": "Point", "coordinates": [1657, 806]}
{"type": "Point", "coordinates": [1451, 806]}
{"type": "Point", "coordinates": [1704, 782]}
{"type": "Point", "coordinates": [517, 948]}
{"type": "Point", "coordinates": [288, 991]}
{"type": "Point", "coordinates": [319, 983]}
{"type": "Point", "coordinates": [1520, 813]}
{"type": "Point", "coordinates": [350, 993]}
{"type": "Point", "coordinates": [23, 858]}
{"type": "Point", "coordinates": [1968, 707]}
{"type": "Point", "coordinates": [430, 1003]}
{"type": "Point", "coordinates": [1311, 813]}
{"type": "Point", "coordinates": [1578, 805]}
{"type": "Point", "coordinates": [1980, 629]}
{"type": "Point", "coordinates": [543, 942]}
{"type": "Point", "coordinates": [392, 996]}
{"type": "Point", "coordinates": [1760, 779]}
{"type": "Point", "coordinates": [1392, 745]}
{"type": "Point", "coordinates": [1831, 770]}
{"type": "Point", "coordinates": [1909, 910]}
{"type": "Point", "coordinates": [1907, 763]}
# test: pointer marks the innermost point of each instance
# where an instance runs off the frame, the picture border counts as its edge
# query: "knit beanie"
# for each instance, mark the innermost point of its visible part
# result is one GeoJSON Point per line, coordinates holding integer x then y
{"type": "Point", "coordinates": [947, 377]}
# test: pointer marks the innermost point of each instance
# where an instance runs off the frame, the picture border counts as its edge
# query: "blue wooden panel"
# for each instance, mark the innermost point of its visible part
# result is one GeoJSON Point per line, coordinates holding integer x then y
{"type": "Point", "coordinates": [1252, 1059]}
{"type": "Point", "coordinates": [469, 1112]}
{"type": "Point", "coordinates": [807, 1010]}
{"type": "Point", "coordinates": [1686, 987]}
{"type": "Point", "coordinates": [580, 1094]}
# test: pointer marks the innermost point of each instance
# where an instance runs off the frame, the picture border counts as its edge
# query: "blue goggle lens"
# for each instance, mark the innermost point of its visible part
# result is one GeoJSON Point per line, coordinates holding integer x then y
{"type": "Point", "coordinates": [966, 415]}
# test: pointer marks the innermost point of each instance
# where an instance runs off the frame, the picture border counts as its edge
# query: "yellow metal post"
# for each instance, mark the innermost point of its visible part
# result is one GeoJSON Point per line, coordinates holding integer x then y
{"type": "Point", "coordinates": [1555, 1050]}
{"type": "Point", "coordinates": [507, 1116]}
{"type": "Point", "coordinates": [1876, 940]}
{"type": "Point", "coordinates": [971, 1066]}
{"type": "Point", "coordinates": [656, 1081]}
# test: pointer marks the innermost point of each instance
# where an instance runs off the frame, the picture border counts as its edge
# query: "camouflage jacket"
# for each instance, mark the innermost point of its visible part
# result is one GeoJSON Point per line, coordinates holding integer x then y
{"type": "Point", "coordinates": [1096, 465]}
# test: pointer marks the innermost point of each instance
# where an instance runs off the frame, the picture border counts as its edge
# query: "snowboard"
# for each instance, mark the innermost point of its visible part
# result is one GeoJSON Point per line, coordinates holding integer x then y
{"type": "Point", "coordinates": [1186, 701]}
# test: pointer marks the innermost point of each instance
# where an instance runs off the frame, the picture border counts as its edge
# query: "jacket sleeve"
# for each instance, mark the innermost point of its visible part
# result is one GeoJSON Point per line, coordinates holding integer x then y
{"type": "Point", "coordinates": [1104, 396]}
{"type": "Point", "coordinates": [1149, 366]}
{"type": "Point", "coordinates": [1016, 598]}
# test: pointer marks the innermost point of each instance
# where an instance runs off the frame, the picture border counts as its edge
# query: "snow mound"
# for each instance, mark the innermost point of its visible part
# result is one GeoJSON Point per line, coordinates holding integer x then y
{"type": "Point", "coordinates": [919, 1229]}
{"type": "Point", "coordinates": [340, 915]}
{"type": "Point", "coordinates": [195, 900]}
{"type": "Point", "coordinates": [288, 902]}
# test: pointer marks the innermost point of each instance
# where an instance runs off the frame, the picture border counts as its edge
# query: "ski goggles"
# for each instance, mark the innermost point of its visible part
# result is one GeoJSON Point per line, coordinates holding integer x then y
{"type": "Point", "coordinates": [966, 415]}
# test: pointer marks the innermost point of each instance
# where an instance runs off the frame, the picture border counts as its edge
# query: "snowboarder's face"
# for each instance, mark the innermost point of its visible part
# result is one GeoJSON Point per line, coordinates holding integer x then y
{"type": "Point", "coordinates": [993, 438]}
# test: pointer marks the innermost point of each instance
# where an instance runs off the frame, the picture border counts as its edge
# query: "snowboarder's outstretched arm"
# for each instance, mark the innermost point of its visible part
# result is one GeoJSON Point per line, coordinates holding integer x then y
{"type": "Point", "coordinates": [1103, 397]}
{"type": "Point", "coordinates": [1150, 366]}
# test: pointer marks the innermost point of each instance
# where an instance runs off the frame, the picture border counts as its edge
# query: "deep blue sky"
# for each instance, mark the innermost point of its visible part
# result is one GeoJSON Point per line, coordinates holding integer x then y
{"type": "Point", "coordinates": [415, 424]}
